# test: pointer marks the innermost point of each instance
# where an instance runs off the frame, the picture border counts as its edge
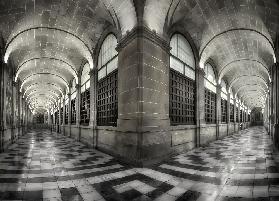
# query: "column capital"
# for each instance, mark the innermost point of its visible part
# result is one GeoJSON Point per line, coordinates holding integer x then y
{"type": "Point", "coordinates": [143, 32]}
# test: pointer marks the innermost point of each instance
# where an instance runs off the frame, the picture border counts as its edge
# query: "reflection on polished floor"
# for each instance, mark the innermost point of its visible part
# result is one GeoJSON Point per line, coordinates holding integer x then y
{"type": "Point", "coordinates": [45, 166]}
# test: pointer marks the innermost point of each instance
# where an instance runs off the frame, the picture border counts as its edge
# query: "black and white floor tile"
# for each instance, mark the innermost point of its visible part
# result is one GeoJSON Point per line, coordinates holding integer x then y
{"type": "Point", "coordinates": [44, 166]}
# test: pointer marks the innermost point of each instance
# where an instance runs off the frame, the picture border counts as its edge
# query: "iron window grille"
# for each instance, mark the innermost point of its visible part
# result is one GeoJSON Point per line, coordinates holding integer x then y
{"type": "Point", "coordinates": [73, 111]}
{"type": "Point", "coordinates": [66, 113]}
{"type": "Point", "coordinates": [182, 99]}
{"type": "Point", "coordinates": [182, 82]}
{"type": "Point", "coordinates": [231, 112]}
{"type": "Point", "coordinates": [61, 116]}
{"type": "Point", "coordinates": [210, 106]}
{"type": "Point", "coordinates": [224, 111]}
{"type": "Point", "coordinates": [107, 89]}
{"type": "Point", "coordinates": [107, 105]}
{"type": "Point", "coordinates": [85, 107]}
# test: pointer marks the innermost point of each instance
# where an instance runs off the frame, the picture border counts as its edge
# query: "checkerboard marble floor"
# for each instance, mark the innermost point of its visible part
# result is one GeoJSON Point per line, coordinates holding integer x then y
{"type": "Point", "coordinates": [45, 166]}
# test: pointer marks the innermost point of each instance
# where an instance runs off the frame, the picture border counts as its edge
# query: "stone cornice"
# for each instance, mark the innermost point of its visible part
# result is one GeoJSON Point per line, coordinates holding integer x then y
{"type": "Point", "coordinates": [143, 32]}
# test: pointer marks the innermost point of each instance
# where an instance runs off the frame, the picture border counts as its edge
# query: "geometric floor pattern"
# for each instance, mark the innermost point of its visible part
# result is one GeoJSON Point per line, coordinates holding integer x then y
{"type": "Point", "coordinates": [45, 166]}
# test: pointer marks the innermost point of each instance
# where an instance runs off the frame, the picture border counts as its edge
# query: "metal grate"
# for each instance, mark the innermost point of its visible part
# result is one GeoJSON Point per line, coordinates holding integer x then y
{"type": "Point", "coordinates": [210, 106]}
{"type": "Point", "coordinates": [85, 107]}
{"type": "Point", "coordinates": [61, 116]}
{"type": "Point", "coordinates": [66, 114]}
{"type": "Point", "coordinates": [231, 112]}
{"type": "Point", "coordinates": [182, 99]}
{"type": "Point", "coordinates": [107, 105]}
{"type": "Point", "coordinates": [73, 111]}
{"type": "Point", "coordinates": [224, 110]}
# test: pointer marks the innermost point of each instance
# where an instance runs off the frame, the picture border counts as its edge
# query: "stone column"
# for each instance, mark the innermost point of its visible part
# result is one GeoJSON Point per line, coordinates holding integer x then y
{"type": "Point", "coordinates": [20, 113]}
{"type": "Point", "coordinates": [228, 112]}
{"type": "Point", "coordinates": [26, 117]}
{"type": "Point", "coordinates": [218, 109]}
{"type": "Point", "coordinates": [93, 97]}
{"type": "Point", "coordinates": [239, 122]}
{"type": "Point", "coordinates": [78, 103]}
{"type": "Point", "coordinates": [13, 130]}
{"type": "Point", "coordinates": [22, 116]}
{"type": "Point", "coordinates": [70, 113]}
{"type": "Point", "coordinates": [200, 109]}
{"type": "Point", "coordinates": [270, 109]}
{"type": "Point", "coordinates": [78, 100]}
{"type": "Point", "coordinates": [18, 107]}
{"type": "Point", "coordinates": [59, 116]}
{"type": "Point", "coordinates": [54, 119]}
{"type": "Point", "coordinates": [63, 116]}
{"type": "Point", "coordinates": [49, 119]}
{"type": "Point", "coordinates": [243, 115]}
{"type": "Point", "coordinates": [93, 104]}
{"type": "Point", "coordinates": [143, 96]}
{"type": "Point", "coordinates": [276, 102]}
{"type": "Point", "coordinates": [246, 115]}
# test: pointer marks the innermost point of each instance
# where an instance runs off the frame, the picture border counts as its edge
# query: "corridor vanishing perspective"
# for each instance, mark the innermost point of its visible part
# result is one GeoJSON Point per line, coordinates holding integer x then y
{"type": "Point", "coordinates": [139, 100]}
{"type": "Point", "coordinates": [47, 166]}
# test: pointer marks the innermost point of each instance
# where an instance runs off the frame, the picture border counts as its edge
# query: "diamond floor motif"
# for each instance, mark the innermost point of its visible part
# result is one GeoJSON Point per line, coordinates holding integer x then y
{"type": "Point", "coordinates": [47, 166]}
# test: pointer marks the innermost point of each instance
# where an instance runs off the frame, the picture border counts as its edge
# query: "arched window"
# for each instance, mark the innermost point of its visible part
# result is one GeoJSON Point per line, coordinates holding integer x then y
{"type": "Point", "coordinates": [224, 98]}
{"type": "Point", "coordinates": [182, 81]}
{"type": "Point", "coordinates": [85, 95]}
{"type": "Point", "coordinates": [107, 106]}
{"type": "Point", "coordinates": [210, 78]}
{"type": "Point", "coordinates": [182, 57]}
{"type": "Point", "coordinates": [73, 102]}
{"type": "Point", "coordinates": [210, 94]}
{"type": "Point", "coordinates": [108, 57]}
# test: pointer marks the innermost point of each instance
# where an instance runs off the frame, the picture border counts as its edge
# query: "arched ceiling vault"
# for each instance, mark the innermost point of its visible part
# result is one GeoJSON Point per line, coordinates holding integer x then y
{"type": "Point", "coordinates": [237, 36]}
{"type": "Point", "coordinates": [48, 41]}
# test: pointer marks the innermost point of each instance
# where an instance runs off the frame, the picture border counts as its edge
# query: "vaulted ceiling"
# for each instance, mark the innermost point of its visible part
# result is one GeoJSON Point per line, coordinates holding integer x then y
{"type": "Point", "coordinates": [49, 41]}
{"type": "Point", "coordinates": [237, 35]}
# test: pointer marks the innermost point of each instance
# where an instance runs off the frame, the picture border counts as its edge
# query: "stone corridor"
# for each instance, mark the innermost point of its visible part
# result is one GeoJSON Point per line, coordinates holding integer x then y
{"type": "Point", "coordinates": [45, 166]}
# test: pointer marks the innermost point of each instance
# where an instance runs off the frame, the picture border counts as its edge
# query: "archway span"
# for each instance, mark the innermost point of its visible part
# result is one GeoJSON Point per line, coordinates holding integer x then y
{"type": "Point", "coordinates": [66, 84]}
{"type": "Point", "coordinates": [232, 30]}
{"type": "Point", "coordinates": [9, 48]}
{"type": "Point", "coordinates": [247, 76]}
{"type": "Point", "coordinates": [42, 85]}
{"type": "Point", "coordinates": [65, 65]}
{"type": "Point", "coordinates": [234, 64]}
